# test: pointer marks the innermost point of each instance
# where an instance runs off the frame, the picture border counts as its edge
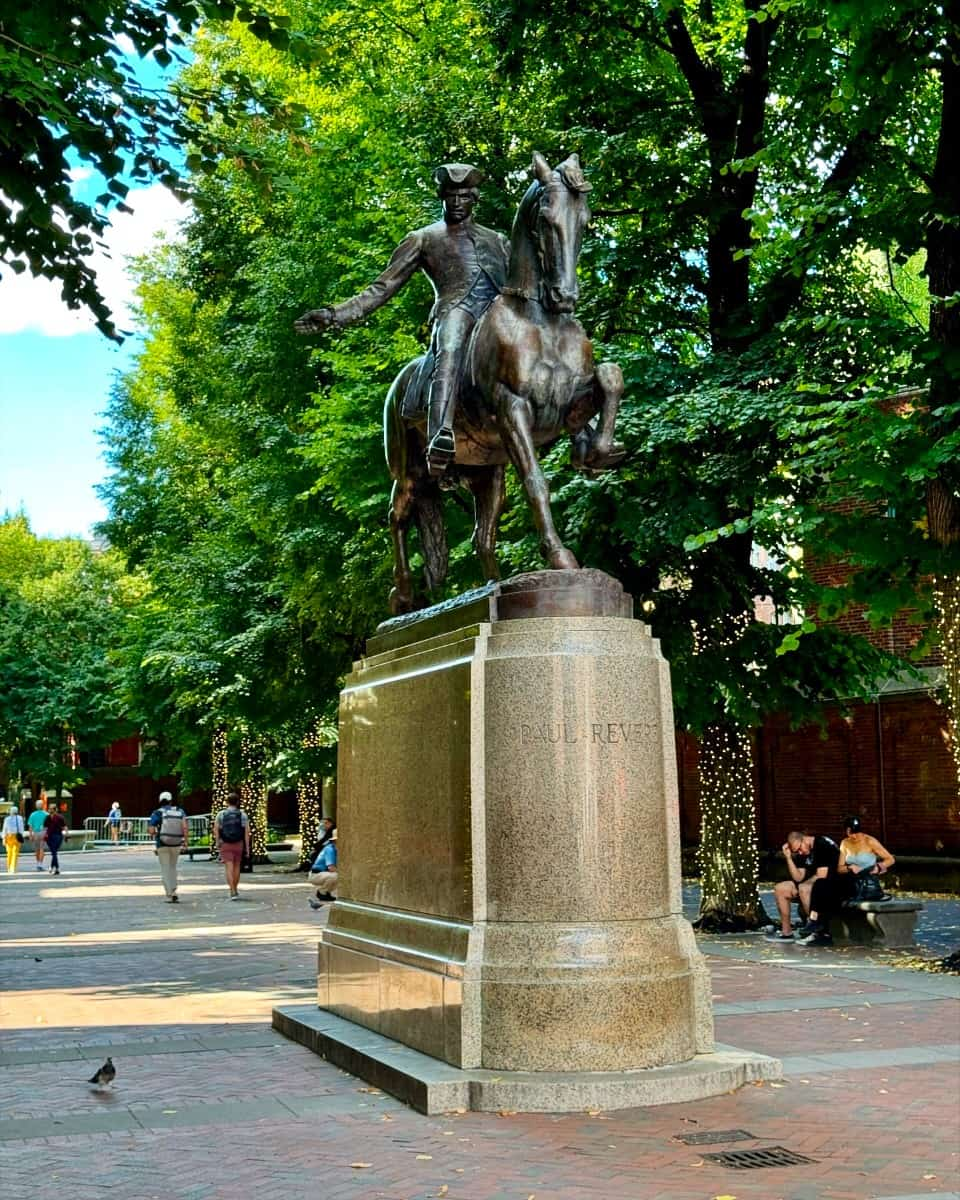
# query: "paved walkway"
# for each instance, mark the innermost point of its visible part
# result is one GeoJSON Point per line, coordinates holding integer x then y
{"type": "Point", "coordinates": [210, 1104]}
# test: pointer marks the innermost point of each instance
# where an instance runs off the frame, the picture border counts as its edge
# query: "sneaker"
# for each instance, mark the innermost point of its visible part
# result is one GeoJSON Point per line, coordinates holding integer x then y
{"type": "Point", "coordinates": [39, 866]}
{"type": "Point", "coordinates": [316, 903]}
{"type": "Point", "coordinates": [780, 936]}
{"type": "Point", "coordinates": [816, 937]}
{"type": "Point", "coordinates": [234, 895]}
{"type": "Point", "coordinates": [174, 899]}
{"type": "Point", "coordinates": [57, 871]}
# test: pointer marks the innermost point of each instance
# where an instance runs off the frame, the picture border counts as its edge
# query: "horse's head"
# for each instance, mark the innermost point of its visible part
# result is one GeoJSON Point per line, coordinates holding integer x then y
{"type": "Point", "coordinates": [557, 216]}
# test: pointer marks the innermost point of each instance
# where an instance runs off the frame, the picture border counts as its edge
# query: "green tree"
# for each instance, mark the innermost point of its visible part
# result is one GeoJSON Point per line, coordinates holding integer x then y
{"type": "Point", "coordinates": [71, 93]}
{"type": "Point", "coordinates": [62, 608]}
{"type": "Point", "coordinates": [747, 155]}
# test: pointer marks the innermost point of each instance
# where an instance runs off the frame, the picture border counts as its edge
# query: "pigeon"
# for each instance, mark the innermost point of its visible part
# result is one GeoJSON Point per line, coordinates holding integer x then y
{"type": "Point", "coordinates": [105, 1075]}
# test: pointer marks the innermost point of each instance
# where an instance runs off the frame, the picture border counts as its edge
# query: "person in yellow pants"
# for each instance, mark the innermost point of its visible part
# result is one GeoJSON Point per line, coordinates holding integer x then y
{"type": "Point", "coordinates": [12, 838]}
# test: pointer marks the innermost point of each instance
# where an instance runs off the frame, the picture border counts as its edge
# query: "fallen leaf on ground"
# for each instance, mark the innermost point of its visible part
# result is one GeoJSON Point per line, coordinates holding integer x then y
{"type": "Point", "coordinates": [507, 1112]}
{"type": "Point", "coordinates": [443, 1189]}
{"type": "Point", "coordinates": [724, 1198]}
{"type": "Point", "coordinates": [929, 1176]}
{"type": "Point", "coordinates": [355, 1165]}
{"type": "Point", "coordinates": [424, 1157]}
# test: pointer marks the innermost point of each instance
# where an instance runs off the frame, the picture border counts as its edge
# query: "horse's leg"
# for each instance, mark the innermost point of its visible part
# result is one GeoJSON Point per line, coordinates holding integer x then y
{"type": "Point", "coordinates": [402, 501]}
{"type": "Point", "coordinates": [515, 420]}
{"type": "Point", "coordinates": [489, 494]}
{"type": "Point", "coordinates": [601, 450]}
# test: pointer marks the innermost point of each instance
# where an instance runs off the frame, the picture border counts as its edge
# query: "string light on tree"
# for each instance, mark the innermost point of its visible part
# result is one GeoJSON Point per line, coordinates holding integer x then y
{"type": "Point", "coordinates": [947, 594]}
{"type": "Point", "coordinates": [729, 851]}
{"type": "Point", "coordinates": [309, 797]}
{"type": "Point", "coordinates": [253, 794]}
{"type": "Point", "coordinates": [219, 779]}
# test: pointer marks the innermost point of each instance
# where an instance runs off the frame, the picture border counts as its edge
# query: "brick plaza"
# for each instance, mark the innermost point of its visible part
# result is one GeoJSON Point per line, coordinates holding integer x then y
{"type": "Point", "coordinates": [211, 1104]}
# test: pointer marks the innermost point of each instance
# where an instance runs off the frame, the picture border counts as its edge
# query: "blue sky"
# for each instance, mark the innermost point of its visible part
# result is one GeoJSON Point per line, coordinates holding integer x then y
{"type": "Point", "coordinates": [56, 370]}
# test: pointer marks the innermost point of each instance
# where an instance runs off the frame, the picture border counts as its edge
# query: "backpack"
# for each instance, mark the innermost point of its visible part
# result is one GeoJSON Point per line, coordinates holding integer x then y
{"type": "Point", "coordinates": [231, 826]}
{"type": "Point", "coordinates": [171, 826]}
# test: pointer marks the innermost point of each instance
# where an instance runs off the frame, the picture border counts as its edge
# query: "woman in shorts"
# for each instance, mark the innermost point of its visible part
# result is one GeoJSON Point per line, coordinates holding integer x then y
{"type": "Point", "coordinates": [231, 836]}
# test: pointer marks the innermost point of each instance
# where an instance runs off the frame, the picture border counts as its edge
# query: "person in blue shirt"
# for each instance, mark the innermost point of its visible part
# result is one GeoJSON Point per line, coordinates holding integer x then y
{"type": "Point", "coordinates": [323, 873]}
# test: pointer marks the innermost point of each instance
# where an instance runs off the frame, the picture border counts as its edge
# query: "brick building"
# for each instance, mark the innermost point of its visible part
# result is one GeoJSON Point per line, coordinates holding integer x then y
{"type": "Point", "coordinates": [885, 758]}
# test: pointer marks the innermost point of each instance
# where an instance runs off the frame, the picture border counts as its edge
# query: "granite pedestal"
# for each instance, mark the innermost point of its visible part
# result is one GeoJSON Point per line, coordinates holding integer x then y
{"type": "Point", "coordinates": [508, 831]}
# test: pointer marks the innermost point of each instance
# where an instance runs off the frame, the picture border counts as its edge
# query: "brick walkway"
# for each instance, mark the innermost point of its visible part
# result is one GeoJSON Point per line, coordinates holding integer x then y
{"type": "Point", "coordinates": [95, 963]}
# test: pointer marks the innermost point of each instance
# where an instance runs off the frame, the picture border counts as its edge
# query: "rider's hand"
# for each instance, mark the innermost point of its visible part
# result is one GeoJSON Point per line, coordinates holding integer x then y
{"type": "Point", "coordinates": [315, 321]}
{"type": "Point", "coordinates": [786, 849]}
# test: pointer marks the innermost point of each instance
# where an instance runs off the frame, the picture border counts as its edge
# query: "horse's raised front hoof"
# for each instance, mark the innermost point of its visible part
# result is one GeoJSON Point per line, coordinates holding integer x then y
{"type": "Point", "coordinates": [600, 458]}
{"type": "Point", "coordinates": [562, 560]}
{"type": "Point", "coordinates": [401, 602]}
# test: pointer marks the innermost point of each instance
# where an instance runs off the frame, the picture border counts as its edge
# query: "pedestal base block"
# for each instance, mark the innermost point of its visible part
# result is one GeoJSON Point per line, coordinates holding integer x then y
{"type": "Point", "coordinates": [431, 1086]}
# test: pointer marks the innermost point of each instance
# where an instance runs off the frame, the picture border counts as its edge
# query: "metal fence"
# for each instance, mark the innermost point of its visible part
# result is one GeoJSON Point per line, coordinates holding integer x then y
{"type": "Point", "coordinates": [133, 831]}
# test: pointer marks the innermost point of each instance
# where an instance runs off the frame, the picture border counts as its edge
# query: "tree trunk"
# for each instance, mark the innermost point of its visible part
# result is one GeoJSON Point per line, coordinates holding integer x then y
{"type": "Point", "coordinates": [253, 797]}
{"type": "Point", "coordinates": [948, 602]}
{"type": "Point", "coordinates": [219, 780]}
{"type": "Point", "coordinates": [729, 858]}
{"type": "Point", "coordinates": [943, 272]}
{"type": "Point", "coordinates": [308, 810]}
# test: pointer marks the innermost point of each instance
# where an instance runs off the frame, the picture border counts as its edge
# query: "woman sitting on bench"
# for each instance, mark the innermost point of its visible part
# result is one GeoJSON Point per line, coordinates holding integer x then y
{"type": "Point", "coordinates": [862, 860]}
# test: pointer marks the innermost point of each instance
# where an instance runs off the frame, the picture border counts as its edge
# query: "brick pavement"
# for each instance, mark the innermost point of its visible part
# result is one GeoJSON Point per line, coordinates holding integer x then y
{"type": "Point", "coordinates": [93, 962]}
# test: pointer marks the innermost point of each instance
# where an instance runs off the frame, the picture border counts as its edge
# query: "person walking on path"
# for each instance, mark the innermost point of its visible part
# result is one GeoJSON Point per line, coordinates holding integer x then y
{"type": "Point", "coordinates": [56, 830]}
{"type": "Point", "coordinates": [114, 817]}
{"type": "Point", "coordinates": [172, 833]}
{"type": "Point", "coordinates": [38, 835]}
{"type": "Point", "coordinates": [231, 838]}
{"type": "Point", "coordinates": [13, 838]}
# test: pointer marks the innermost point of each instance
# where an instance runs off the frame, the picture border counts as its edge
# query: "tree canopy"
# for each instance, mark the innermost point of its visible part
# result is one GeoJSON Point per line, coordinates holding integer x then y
{"type": "Point", "coordinates": [769, 261]}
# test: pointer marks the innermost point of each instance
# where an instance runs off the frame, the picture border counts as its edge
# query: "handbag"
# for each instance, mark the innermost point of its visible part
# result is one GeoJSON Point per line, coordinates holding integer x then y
{"type": "Point", "coordinates": [20, 838]}
{"type": "Point", "coordinates": [868, 888]}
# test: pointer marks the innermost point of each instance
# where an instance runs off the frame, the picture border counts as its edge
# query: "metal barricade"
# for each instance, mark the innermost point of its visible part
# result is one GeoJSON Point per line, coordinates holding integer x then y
{"type": "Point", "coordinates": [134, 831]}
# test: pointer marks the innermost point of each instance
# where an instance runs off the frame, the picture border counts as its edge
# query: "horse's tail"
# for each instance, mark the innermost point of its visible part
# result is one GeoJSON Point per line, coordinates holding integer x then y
{"type": "Point", "coordinates": [428, 515]}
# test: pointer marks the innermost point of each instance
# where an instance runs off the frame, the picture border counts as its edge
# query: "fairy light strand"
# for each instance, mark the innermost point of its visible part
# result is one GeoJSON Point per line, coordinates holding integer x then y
{"type": "Point", "coordinates": [253, 794]}
{"type": "Point", "coordinates": [219, 779]}
{"type": "Point", "coordinates": [309, 800]}
{"type": "Point", "coordinates": [729, 847]}
{"type": "Point", "coordinates": [947, 595]}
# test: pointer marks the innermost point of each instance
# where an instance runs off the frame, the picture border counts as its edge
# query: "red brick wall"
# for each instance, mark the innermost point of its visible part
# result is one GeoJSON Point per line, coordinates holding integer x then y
{"type": "Point", "coordinates": [901, 635]}
{"type": "Point", "coordinates": [897, 775]}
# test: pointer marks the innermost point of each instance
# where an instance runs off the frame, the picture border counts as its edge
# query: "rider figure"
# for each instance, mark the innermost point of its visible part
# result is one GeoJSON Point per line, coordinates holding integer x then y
{"type": "Point", "coordinates": [467, 265]}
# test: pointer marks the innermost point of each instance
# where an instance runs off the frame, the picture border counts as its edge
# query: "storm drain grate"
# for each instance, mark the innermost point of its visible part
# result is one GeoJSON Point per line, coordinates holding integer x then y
{"type": "Point", "coordinates": [713, 1137]}
{"type": "Point", "coordinates": [745, 1160]}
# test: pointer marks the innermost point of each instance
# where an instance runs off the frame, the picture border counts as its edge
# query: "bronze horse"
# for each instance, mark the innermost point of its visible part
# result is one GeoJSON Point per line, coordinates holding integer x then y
{"type": "Point", "coordinates": [529, 378]}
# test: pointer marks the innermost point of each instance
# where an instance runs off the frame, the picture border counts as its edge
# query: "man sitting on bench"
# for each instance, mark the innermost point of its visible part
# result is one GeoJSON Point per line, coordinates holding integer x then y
{"type": "Point", "coordinates": [809, 857]}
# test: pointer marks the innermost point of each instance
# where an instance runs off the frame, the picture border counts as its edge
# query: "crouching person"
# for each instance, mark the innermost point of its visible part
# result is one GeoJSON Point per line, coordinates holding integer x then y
{"type": "Point", "coordinates": [323, 874]}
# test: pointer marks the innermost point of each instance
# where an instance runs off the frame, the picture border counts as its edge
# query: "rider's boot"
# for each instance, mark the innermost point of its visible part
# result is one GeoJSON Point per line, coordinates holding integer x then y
{"type": "Point", "coordinates": [442, 445]}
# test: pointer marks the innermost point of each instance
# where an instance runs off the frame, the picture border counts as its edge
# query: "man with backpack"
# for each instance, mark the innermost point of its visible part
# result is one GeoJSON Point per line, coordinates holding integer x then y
{"type": "Point", "coordinates": [231, 836]}
{"type": "Point", "coordinates": [169, 823]}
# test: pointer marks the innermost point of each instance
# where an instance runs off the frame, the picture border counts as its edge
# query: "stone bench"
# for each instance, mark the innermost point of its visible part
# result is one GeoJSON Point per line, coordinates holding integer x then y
{"type": "Point", "coordinates": [888, 923]}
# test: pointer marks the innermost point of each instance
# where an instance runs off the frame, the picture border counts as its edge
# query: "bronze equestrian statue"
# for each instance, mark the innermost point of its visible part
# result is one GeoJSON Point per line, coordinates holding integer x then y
{"type": "Point", "coordinates": [523, 371]}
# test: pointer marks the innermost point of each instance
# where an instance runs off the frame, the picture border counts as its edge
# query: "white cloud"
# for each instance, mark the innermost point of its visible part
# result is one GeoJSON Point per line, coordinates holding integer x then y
{"type": "Point", "coordinates": [31, 304]}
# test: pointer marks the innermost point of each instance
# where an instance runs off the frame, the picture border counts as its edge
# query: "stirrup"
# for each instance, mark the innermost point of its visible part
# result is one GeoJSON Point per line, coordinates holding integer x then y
{"type": "Point", "coordinates": [441, 451]}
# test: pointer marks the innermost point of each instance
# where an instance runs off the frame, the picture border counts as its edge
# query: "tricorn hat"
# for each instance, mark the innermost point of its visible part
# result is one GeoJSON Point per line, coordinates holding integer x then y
{"type": "Point", "coordinates": [456, 175]}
